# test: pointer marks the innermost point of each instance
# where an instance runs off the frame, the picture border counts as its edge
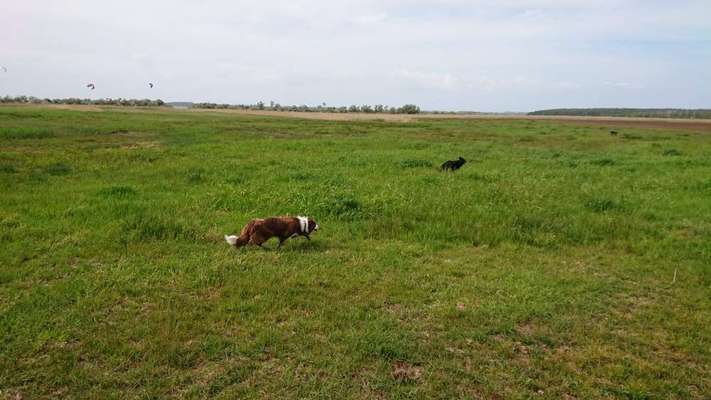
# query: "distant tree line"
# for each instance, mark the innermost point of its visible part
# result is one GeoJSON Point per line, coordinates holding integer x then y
{"type": "Point", "coordinates": [72, 100]}
{"type": "Point", "coordinates": [629, 112]}
{"type": "Point", "coordinates": [272, 106]}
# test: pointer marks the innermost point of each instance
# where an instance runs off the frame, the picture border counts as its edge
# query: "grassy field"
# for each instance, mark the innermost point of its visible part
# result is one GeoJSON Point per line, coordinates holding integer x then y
{"type": "Point", "coordinates": [561, 262]}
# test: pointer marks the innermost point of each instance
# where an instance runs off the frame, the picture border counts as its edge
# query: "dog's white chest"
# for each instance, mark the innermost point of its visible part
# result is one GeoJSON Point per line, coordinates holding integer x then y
{"type": "Point", "coordinates": [303, 224]}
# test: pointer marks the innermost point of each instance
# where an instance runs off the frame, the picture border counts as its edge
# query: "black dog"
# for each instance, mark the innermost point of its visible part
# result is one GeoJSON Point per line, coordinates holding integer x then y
{"type": "Point", "coordinates": [453, 165]}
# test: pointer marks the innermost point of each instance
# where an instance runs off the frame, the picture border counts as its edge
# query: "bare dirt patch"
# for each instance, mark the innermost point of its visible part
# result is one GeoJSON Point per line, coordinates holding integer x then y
{"type": "Point", "coordinates": [121, 140]}
{"type": "Point", "coordinates": [403, 371]}
{"type": "Point", "coordinates": [77, 107]}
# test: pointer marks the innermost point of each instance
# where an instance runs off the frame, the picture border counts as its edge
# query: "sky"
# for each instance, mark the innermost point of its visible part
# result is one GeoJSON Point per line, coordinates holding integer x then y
{"type": "Point", "coordinates": [503, 55]}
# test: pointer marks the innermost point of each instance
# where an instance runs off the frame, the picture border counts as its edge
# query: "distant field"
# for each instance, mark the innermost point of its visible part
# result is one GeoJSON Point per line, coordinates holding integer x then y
{"type": "Point", "coordinates": [562, 262]}
{"type": "Point", "coordinates": [630, 112]}
{"type": "Point", "coordinates": [697, 125]}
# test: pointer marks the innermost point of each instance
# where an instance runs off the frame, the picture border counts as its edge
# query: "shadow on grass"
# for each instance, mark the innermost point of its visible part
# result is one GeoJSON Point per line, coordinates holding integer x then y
{"type": "Point", "coordinates": [293, 245]}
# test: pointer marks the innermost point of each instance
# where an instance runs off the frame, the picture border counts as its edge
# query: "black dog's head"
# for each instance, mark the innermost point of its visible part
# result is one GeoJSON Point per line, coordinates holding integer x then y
{"type": "Point", "coordinates": [462, 160]}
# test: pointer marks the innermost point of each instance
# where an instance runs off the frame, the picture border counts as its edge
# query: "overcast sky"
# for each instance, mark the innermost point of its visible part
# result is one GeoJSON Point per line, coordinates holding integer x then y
{"type": "Point", "coordinates": [503, 55]}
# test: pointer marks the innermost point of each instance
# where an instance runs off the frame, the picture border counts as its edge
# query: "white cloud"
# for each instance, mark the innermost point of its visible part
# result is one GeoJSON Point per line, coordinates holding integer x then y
{"type": "Point", "coordinates": [431, 80]}
{"type": "Point", "coordinates": [370, 19]}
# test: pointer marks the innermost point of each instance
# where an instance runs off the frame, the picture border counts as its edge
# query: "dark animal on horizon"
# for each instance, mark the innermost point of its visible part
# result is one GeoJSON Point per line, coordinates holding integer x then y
{"type": "Point", "coordinates": [613, 133]}
{"type": "Point", "coordinates": [258, 231]}
{"type": "Point", "coordinates": [453, 165]}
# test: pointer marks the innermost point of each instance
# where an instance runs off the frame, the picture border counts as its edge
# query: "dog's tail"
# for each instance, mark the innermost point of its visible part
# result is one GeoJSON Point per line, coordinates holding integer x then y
{"type": "Point", "coordinates": [237, 241]}
{"type": "Point", "coordinates": [243, 238]}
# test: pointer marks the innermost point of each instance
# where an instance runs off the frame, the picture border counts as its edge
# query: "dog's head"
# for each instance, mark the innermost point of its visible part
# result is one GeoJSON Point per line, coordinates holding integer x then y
{"type": "Point", "coordinates": [312, 225]}
{"type": "Point", "coordinates": [462, 160]}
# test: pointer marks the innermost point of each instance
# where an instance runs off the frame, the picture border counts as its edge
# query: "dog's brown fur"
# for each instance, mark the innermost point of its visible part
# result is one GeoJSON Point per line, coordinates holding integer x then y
{"type": "Point", "coordinates": [258, 231]}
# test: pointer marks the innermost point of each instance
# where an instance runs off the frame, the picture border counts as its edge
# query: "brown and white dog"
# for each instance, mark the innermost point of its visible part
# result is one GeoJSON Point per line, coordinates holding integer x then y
{"type": "Point", "coordinates": [258, 231]}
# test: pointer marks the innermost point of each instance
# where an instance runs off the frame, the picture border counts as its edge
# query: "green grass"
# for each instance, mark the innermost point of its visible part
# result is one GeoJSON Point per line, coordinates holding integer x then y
{"type": "Point", "coordinates": [544, 268]}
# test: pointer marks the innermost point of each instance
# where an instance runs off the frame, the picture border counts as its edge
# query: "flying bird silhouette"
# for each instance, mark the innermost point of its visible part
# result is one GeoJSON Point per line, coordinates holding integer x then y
{"type": "Point", "coordinates": [91, 86]}
{"type": "Point", "coordinates": [150, 84]}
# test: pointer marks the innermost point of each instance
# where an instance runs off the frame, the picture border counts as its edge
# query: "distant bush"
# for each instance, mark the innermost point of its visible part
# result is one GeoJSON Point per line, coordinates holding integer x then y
{"type": "Point", "coordinates": [365, 108]}
{"type": "Point", "coordinates": [77, 101]}
{"type": "Point", "coordinates": [260, 105]}
{"type": "Point", "coordinates": [409, 109]}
